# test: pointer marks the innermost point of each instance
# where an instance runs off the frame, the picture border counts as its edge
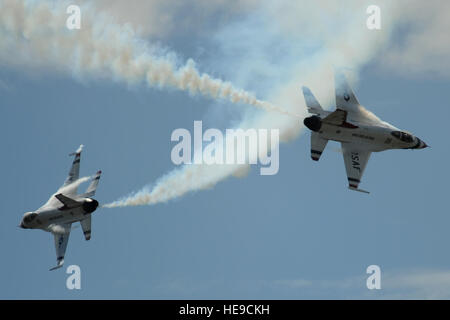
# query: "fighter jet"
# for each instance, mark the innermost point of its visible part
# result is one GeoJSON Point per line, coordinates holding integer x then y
{"type": "Point", "coordinates": [358, 130]}
{"type": "Point", "coordinates": [63, 208]}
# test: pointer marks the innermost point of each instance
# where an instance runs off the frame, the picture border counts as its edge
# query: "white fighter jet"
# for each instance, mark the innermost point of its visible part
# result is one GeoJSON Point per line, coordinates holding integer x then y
{"type": "Point", "coordinates": [64, 208]}
{"type": "Point", "coordinates": [358, 130]}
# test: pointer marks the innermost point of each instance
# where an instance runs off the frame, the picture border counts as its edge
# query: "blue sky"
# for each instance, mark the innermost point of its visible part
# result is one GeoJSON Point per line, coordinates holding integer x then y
{"type": "Point", "coordinates": [295, 235]}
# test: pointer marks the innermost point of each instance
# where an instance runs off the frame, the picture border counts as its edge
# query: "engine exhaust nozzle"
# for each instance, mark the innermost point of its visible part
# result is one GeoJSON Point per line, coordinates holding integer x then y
{"type": "Point", "coordinates": [313, 123]}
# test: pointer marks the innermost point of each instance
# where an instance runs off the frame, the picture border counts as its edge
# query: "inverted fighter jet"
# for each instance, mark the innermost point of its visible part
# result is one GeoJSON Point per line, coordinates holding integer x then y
{"type": "Point", "coordinates": [358, 130]}
{"type": "Point", "coordinates": [64, 208]}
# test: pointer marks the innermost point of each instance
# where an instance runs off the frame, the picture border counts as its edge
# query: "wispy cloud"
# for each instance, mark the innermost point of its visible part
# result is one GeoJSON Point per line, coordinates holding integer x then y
{"type": "Point", "coordinates": [400, 284]}
{"type": "Point", "coordinates": [423, 45]}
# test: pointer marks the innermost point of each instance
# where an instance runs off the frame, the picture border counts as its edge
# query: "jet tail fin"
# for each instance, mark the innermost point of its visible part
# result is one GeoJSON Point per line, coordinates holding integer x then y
{"type": "Point", "coordinates": [90, 191]}
{"type": "Point", "coordinates": [69, 203]}
{"type": "Point", "coordinates": [311, 102]}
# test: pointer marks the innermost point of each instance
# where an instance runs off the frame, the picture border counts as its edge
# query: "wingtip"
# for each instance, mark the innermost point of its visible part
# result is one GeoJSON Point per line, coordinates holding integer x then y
{"type": "Point", "coordinates": [359, 190]}
{"type": "Point", "coordinates": [56, 267]}
{"type": "Point", "coordinates": [78, 152]}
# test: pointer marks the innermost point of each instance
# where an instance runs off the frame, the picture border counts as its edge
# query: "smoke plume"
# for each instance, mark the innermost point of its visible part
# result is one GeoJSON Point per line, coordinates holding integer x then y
{"type": "Point", "coordinates": [340, 41]}
{"type": "Point", "coordinates": [279, 45]}
{"type": "Point", "coordinates": [37, 32]}
{"type": "Point", "coordinates": [71, 188]}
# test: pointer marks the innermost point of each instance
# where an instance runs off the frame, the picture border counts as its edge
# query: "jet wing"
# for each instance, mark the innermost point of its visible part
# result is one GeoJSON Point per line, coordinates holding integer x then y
{"type": "Point", "coordinates": [355, 162]}
{"type": "Point", "coordinates": [74, 172]}
{"type": "Point", "coordinates": [61, 240]}
{"type": "Point", "coordinates": [68, 202]}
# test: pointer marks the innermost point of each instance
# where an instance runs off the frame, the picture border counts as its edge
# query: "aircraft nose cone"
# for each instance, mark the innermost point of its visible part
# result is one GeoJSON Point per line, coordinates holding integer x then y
{"type": "Point", "coordinates": [423, 145]}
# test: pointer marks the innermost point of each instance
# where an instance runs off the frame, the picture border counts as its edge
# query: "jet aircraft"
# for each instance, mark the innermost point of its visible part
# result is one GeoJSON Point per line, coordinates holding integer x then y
{"type": "Point", "coordinates": [64, 208]}
{"type": "Point", "coordinates": [358, 130]}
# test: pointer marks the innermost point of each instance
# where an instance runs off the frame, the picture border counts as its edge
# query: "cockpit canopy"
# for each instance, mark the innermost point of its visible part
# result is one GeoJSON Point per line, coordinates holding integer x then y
{"type": "Point", "coordinates": [403, 136]}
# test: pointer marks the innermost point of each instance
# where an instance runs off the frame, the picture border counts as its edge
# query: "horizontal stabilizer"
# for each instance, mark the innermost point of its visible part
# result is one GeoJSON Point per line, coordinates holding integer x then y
{"type": "Point", "coordinates": [86, 226]}
{"type": "Point", "coordinates": [318, 144]}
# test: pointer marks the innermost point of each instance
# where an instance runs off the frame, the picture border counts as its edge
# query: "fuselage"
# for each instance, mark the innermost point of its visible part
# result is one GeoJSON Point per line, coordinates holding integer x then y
{"type": "Point", "coordinates": [65, 207]}
{"type": "Point", "coordinates": [55, 213]}
{"type": "Point", "coordinates": [370, 137]}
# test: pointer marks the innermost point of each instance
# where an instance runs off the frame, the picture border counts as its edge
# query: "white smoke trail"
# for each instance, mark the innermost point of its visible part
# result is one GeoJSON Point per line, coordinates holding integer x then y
{"type": "Point", "coordinates": [74, 185]}
{"type": "Point", "coordinates": [177, 183]}
{"type": "Point", "coordinates": [312, 35]}
{"type": "Point", "coordinates": [36, 32]}
{"type": "Point", "coordinates": [349, 45]}
{"type": "Point", "coordinates": [68, 189]}
{"type": "Point", "coordinates": [338, 39]}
